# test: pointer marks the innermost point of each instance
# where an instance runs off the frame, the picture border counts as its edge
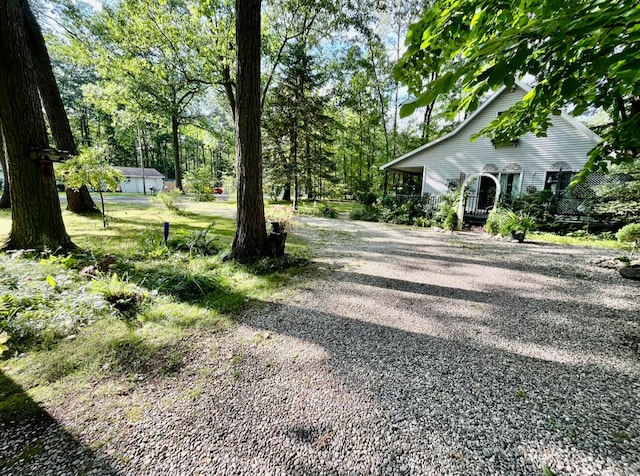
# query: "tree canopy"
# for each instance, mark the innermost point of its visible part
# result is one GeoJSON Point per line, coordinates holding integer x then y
{"type": "Point", "coordinates": [581, 54]}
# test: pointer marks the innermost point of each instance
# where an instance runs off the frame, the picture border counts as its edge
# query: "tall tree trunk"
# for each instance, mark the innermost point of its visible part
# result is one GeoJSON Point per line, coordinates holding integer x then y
{"type": "Point", "coordinates": [36, 215]}
{"type": "Point", "coordinates": [251, 234]}
{"type": "Point", "coordinates": [286, 193]}
{"type": "Point", "coordinates": [176, 150]}
{"type": "Point", "coordinates": [5, 200]}
{"type": "Point", "coordinates": [294, 163]}
{"type": "Point", "coordinates": [309, 175]}
{"type": "Point", "coordinates": [78, 201]}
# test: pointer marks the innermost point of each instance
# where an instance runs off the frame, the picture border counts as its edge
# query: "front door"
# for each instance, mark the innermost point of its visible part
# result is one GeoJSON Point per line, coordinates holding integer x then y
{"type": "Point", "coordinates": [486, 194]}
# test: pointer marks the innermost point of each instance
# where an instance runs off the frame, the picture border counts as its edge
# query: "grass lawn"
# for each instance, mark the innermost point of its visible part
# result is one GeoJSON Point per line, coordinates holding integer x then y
{"type": "Point", "coordinates": [136, 308]}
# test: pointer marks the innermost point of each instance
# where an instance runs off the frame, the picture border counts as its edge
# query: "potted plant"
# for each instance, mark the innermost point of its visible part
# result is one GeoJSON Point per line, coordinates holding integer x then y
{"type": "Point", "coordinates": [517, 225]}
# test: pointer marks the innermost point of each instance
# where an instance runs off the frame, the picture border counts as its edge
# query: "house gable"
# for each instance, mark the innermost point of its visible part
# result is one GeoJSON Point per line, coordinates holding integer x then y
{"type": "Point", "coordinates": [442, 161]}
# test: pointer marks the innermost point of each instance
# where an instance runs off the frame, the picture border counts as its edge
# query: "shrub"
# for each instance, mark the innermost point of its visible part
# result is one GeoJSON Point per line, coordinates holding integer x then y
{"type": "Point", "coordinates": [196, 242]}
{"type": "Point", "coordinates": [451, 220]}
{"type": "Point", "coordinates": [368, 198]}
{"type": "Point", "coordinates": [200, 184]}
{"type": "Point", "coordinates": [125, 297]}
{"type": "Point", "coordinates": [516, 222]}
{"type": "Point", "coordinates": [401, 213]}
{"type": "Point", "coordinates": [630, 234]}
{"type": "Point", "coordinates": [329, 212]}
{"type": "Point", "coordinates": [494, 221]}
{"type": "Point", "coordinates": [168, 199]}
{"type": "Point", "coordinates": [541, 206]}
{"type": "Point", "coordinates": [365, 213]}
{"type": "Point", "coordinates": [447, 208]}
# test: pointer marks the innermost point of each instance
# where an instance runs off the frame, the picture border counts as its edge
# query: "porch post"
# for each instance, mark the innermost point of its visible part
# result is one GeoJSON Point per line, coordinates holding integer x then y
{"type": "Point", "coordinates": [424, 181]}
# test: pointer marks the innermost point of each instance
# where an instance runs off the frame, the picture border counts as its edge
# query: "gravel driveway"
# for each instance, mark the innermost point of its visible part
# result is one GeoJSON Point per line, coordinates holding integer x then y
{"type": "Point", "coordinates": [412, 352]}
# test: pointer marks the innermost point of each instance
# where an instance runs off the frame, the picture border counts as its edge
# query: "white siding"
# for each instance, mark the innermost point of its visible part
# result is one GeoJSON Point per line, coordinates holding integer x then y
{"type": "Point", "coordinates": [446, 160]}
{"type": "Point", "coordinates": [134, 185]}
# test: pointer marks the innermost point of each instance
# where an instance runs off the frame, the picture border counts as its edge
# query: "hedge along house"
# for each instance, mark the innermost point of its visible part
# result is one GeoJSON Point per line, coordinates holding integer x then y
{"type": "Point", "coordinates": [488, 172]}
{"type": "Point", "coordinates": [138, 180]}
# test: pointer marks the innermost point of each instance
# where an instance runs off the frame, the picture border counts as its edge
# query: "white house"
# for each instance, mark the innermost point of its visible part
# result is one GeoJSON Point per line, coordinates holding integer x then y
{"type": "Point", "coordinates": [137, 181]}
{"type": "Point", "coordinates": [528, 164]}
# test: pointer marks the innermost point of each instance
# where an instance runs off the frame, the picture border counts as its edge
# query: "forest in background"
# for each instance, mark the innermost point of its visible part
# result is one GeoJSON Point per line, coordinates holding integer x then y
{"type": "Point", "coordinates": [154, 83]}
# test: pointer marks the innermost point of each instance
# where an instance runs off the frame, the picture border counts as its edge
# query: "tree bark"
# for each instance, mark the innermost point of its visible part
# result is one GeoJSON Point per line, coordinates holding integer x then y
{"type": "Point", "coordinates": [175, 125]}
{"type": "Point", "coordinates": [5, 200]}
{"type": "Point", "coordinates": [286, 193]}
{"type": "Point", "coordinates": [78, 201]}
{"type": "Point", "coordinates": [250, 240]}
{"type": "Point", "coordinates": [36, 215]}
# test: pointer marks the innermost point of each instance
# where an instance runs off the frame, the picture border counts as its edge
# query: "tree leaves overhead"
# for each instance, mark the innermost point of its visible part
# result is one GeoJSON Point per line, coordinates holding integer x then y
{"type": "Point", "coordinates": [581, 54]}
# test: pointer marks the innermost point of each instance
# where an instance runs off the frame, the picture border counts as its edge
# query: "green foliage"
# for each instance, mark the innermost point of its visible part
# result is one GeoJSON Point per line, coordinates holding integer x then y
{"type": "Point", "coordinates": [629, 234]}
{"type": "Point", "coordinates": [402, 213]}
{"type": "Point", "coordinates": [188, 280]}
{"type": "Point", "coordinates": [446, 214]}
{"type": "Point", "coordinates": [365, 213]}
{"type": "Point", "coordinates": [541, 206]}
{"type": "Point", "coordinates": [583, 54]}
{"type": "Point", "coordinates": [368, 198]}
{"type": "Point", "coordinates": [504, 222]}
{"type": "Point", "coordinates": [619, 197]}
{"type": "Point", "coordinates": [198, 242]}
{"type": "Point", "coordinates": [123, 295]}
{"type": "Point", "coordinates": [168, 199]}
{"type": "Point", "coordinates": [517, 222]}
{"type": "Point", "coordinates": [90, 168]}
{"type": "Point", "coordinates": [493, 223]}
{"type": "Point", "coordinates": [451, 220]}
{"type": "Point", "coordinates": [42, 302]}
{"type": "Point", "coordinates": [200, 184]}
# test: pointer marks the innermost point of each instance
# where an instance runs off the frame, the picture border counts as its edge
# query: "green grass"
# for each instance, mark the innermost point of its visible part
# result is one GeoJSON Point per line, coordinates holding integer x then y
{"type": "Point", "coordinates": [588, 240]}
{"type": "Point", "coordinates": [314, 207]}
{"type": "Point", "coordinates": [135, 316]}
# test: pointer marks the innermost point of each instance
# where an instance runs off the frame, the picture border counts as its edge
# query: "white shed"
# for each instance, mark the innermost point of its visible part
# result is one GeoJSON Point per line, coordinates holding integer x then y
{"type": "Point", "coordinates": [528, 164]}
{"type": "Point", "coordinates": [137, 180]}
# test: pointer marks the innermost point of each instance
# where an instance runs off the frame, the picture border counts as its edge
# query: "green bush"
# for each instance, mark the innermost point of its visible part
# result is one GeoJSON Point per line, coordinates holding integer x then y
{"type": "Point", "coordinates": [168, 199]}
{"type": "Point", "coordinates": [368, 198]}
{"type": "Point", "coordinates": [401, 212]}
{"type": "Point", "coordinates": [516, 222]}
{"type": "Point", "coordinates": [630, 234]}
{"type": "Point", "coordinates": [447, 208]}
{"type": "Point", "coordinates": [200, 183]}
{"type": "Point", "coordinates": [196, 242]}
{"type": "Point", "coordinates": [541, 206]}
{"type": "Point", "coordinates": [329, 212]}
{"type": "Point", "coordinates": [365, 213]}
{"type": "Point", "coordinates": [494, 221]}
{"type": "Point", "coordinates": [451, 220]}
{"type": "Point", "coordinates": [504, 221]}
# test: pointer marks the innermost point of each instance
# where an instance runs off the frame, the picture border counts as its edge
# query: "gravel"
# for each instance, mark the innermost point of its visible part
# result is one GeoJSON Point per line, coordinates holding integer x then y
{"type": "Point", "coordinates": [410, 352]}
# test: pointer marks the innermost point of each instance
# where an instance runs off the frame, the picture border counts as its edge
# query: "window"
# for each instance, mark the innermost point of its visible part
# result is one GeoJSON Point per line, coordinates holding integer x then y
{"type": "Point", "coordinates": [558, 180]}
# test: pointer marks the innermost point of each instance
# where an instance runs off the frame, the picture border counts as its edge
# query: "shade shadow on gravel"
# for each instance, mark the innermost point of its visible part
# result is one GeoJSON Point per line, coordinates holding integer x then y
{"type": "Point", "coordinates": [34, 443]}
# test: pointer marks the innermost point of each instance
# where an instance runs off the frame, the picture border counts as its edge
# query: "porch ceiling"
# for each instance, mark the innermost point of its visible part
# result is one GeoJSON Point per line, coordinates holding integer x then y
{"type": "Point", "coordinates": [417, 170]}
